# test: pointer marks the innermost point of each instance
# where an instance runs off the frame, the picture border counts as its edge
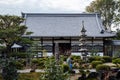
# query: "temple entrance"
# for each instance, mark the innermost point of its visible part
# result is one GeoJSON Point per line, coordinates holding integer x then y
{"type": "Point", "coordinates": [64, 48]}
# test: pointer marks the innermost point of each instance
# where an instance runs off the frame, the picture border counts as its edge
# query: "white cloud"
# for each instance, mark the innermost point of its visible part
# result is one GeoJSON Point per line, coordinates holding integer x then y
{"type": "Point", "coordinates": [11, 1]}
{"type": "Point", "coordinates": [18, 6]}
{"type": "Point", "coordinates": [73, 5]}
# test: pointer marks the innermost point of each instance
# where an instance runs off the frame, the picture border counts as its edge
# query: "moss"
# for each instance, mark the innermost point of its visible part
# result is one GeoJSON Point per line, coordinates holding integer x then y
{"type": "Point", "coordinates": [29, 76]}
{"type": "Point", "coordinates": [92, 79]}
{"type": "Point", "coordinates": [1, 77]}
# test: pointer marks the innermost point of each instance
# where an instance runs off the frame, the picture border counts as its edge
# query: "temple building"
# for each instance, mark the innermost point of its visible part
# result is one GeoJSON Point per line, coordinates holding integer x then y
{"type": "Point", "coordinates": [64, 30]}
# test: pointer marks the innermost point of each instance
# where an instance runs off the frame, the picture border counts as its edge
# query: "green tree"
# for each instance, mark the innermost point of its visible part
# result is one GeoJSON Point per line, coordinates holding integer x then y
{"type": "Point", "coordinates": [116, 54]}
{"type": "Point", "coordinates": [118, 35]}
{"type": "Point", "coordinates": [11, 31]}
{"type": "Point", "coordinates": [109, 10]}
{"type": "Point", "coordinates": [9, 71]}
{"type": "Point", "coordinates": [54, 71]}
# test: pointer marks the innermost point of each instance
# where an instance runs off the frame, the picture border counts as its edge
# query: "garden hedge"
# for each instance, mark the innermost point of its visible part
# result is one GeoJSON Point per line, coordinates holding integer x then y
{"type": "Point", "coordinates": [102, 67]}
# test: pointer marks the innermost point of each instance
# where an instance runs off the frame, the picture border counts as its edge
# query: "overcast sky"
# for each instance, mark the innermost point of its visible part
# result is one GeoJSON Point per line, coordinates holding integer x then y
{"type": "Point", "coordinates": [42, 6]}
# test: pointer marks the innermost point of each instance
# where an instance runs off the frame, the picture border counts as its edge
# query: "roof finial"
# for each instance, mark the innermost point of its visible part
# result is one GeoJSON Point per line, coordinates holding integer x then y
{"type": "Point", "coordinates": [83, 23]}
{"type": "Point", "coordinates": [83, 28]}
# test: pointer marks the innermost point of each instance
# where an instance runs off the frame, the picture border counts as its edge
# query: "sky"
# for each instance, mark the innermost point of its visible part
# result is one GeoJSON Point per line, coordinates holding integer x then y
{"type": "Point", "coordinates": [15, 7]}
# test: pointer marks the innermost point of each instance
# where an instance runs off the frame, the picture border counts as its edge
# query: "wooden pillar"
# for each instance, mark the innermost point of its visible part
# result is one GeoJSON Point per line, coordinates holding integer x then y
{"type": "Point", "coordinates": [70, 46]}
{"type": "Point", "coordinates": [42, 46]}
{"type": "Point", "coordinates": [104, 46]}
{"type": "Point", "coordinates": [111, 53]}
{"type": "Point", "coordinates": [53, 46]}
{"type": "Point", "coordinates": [92, 43]}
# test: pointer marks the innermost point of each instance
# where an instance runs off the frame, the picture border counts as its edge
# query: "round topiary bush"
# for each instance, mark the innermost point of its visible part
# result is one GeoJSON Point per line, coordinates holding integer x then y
{"type": "Point", "coordinates": [107, 59]}
{"type": "Point", "coordinates": [116, 61]}
{"type": "Point", "coordinates": [102, 67]}
{"type": "Point", "coordinates": [95, 63]}
{"type": "Point", "coordinates": [94, 58]}
{"type": "Point", "coordinates": [40, 63]}
{"type": "Point", "coordinates": [75, 58]}
{"type": "Point", "coordinates": [35, 61]}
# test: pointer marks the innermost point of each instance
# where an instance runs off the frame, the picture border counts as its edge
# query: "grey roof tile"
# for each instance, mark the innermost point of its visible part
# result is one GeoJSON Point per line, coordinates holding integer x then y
{"type": "Point", "coordinates": [55, 25]}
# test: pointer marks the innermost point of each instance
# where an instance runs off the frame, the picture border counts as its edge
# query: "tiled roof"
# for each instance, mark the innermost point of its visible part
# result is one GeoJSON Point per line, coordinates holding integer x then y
{"type": "Point", "coordinates": [62, 25]}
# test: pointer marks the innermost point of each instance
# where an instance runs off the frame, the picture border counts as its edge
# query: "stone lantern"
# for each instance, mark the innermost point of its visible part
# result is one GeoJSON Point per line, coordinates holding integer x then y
{"type": "Point", "coordinates": [82, 40]}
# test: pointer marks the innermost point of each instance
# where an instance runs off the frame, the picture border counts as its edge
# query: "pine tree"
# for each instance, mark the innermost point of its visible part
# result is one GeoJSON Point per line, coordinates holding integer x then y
{"type": "Point", "coordinates": [54, 71]}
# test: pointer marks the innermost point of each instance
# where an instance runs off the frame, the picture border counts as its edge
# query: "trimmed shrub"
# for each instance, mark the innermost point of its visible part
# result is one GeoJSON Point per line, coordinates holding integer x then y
{"type": "Point", "coordinates": [64, 58]}
{"type": "Point", "coordinates": [35, 61]}
{"type": "Point", "coordinates": [75, 66]}
{"type": "Point", "coordinates": [116, 61]}
{"type": "Point", "coordinates": [20, 55]}
{"type": "Point", "coordinates": [65, 68]}
{"type": "Point", "coordinates": [23, 61]}
{"type": "Point", "coordinates": [95, 63]}
{"type": "Point", "coordinates": [113, 58]}
{"type": "Point", "coordinates": [94, 58]}
{"type": "Point", "coordinates": [102, 67]}
{"type": "Point", "coordinates": [76, 57]}
{"type": "Point", "coordinates": [40, 63]}
{"type": "Point", "coordinates": [76, 60]}
{"type": "Point", "coordinates": [19, 65]}
{"type": "Point", "coordinates": [107, 59]}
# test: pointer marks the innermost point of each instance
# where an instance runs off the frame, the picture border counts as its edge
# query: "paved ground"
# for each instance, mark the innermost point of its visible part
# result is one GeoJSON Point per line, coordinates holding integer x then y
{"type": "Point", "coordinates": [73, 77]}
{"type": "Point", "coordinates": [28, 70]}
{"type": "Point", "coordinates": [39, 70]}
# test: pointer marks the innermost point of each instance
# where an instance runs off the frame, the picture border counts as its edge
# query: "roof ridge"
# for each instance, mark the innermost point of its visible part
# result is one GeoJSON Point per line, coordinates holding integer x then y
{"type": "Point", "coordinates": [59, 13]}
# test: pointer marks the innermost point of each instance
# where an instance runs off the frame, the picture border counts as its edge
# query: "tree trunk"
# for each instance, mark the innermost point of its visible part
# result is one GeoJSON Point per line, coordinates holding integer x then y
{"type": "Point", "coordinates": [8, 50]}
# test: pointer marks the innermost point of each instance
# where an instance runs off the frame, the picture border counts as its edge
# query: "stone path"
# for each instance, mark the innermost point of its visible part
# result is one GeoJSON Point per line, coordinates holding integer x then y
{"type": "Point", "coordinates": [38, 70]}
{"type": "Point", "coordinates": [28, 71]}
